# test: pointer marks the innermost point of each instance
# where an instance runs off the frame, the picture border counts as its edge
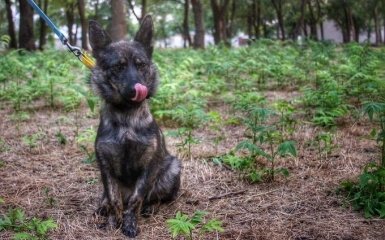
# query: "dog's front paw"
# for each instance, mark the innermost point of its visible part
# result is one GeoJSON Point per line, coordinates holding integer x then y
{"type": "Point", "coordinates": [148, 210]}
{"type": "Point", "coordinates": [102, 211]}
{"type": "Point", "coordinates": [129, 227]}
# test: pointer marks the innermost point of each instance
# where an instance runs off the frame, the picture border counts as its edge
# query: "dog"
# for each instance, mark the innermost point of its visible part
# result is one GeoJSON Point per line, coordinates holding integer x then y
{"type": "Point", "coordinates": [137, 171]}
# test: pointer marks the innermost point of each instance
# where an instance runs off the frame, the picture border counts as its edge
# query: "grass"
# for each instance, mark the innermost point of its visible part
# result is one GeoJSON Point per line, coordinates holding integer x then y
{"type": "Point", "coordinates": [310, 89]}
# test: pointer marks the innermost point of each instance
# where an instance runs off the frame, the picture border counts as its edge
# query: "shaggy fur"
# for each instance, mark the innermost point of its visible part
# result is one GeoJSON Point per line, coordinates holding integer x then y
{"type": "Point", "coordinates": [136, 169]}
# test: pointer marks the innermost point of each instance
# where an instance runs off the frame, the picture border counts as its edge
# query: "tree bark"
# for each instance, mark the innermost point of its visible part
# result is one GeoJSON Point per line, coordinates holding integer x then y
{"type": "Point", "coordinates": [219, 12]}
{"type": "Point", "coordinates": [319, 19]}
{"type": "Point", "coordinates": [257, 28]}
{"type": "Point", "coordinates": [11, 25]}
{"type": "Point", "coordinates": [43, 26]}
{"type": "Point", "coordinates": [118, 27]}
{"type": "Point", "coordinates": [83, 23]}
{"type": "Point", "coordinates": [321, 28]}
{"type": "Point", "coordinates": [348, 27]}
{"type": "Point", "coordinates": [376, 27]}
{"type": "Point", "coordinates": [96, 11]}
{"type": "Point", "coordinates": [230, 22]}
{"type": "Point", "coordinates": [144, 9]}
{"type": "Point", "coordinates": [300, 22]}
{"type": "Point", "coordinates": [356, 26]}
{"type": "Point", "coordinates": [26, 38]}
{"type": "Point", "coordinates": [312, 22]}
{"type": "Point", "coordinates": [186, 28]}
{"type": "Point", "coordinates": [199, 37]}
{"type": "Point", "coordinates": [70, 8]}
{"type": "Point", "coordinates": [277, 4]}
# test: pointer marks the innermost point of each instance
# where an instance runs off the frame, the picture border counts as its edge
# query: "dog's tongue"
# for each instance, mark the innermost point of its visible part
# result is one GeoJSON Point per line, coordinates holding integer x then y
{"type": "Point", "coordinates": [140, 92]}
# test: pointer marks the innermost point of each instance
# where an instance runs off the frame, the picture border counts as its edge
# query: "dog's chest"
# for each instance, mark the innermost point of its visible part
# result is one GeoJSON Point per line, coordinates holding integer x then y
{"type": "Point", "coordinates": [126, 150]}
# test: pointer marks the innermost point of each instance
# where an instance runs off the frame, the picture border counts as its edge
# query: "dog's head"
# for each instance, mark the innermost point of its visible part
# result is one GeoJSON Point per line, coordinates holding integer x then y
{"type": "Point", "coordinates": [124, 74]}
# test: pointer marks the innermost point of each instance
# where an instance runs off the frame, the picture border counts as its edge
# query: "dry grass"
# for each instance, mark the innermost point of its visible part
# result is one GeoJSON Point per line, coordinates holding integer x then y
{"type": "Point", "coordinates": [50, 180]}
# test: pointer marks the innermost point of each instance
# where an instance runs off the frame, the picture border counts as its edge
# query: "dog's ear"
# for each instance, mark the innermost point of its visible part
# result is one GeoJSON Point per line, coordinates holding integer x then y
{"type": "Point", "coordinates": [99, 38]}
{"type": "Point", "coordinates": [145, 34]}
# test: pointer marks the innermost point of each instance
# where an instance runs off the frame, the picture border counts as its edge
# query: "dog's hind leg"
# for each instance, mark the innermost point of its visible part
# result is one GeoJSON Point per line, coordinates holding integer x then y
{"type": "Point", "coordinates": [166, 187]}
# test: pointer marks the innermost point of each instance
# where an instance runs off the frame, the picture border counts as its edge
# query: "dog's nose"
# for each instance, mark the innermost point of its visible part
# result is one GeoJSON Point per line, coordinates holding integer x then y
{"type": "Point", "coordinates": [140, 92]}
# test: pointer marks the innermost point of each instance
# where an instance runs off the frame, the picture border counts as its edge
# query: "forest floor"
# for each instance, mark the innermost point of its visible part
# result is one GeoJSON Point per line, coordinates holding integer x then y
{"type": "Point", "coordinates": [52, 180]}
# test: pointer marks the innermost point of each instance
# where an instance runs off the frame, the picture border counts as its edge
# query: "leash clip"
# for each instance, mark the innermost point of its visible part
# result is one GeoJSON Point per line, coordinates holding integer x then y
{"type": "Point", "coordinates": [75, 50]}
{"type": "Point", "coordinates": [82, 56]}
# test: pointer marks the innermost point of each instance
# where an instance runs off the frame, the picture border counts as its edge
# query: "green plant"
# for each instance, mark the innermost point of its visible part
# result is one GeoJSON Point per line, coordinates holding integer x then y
{"type": "Point", "coordinates": [376, 112]}
{"type": "Point", "coordinates": [265, 141]}
{"type": "Point", "coordinates": [368, 194]}
{"type": "Point", "coordinates": [190, 117]}
{"type": "Point", "coordinates": [286, 119]}
{"type": "Point", "coordinates": [50, 200]}
{"type": "Point", "coordinates": [61, 138]}
{"type": "Point", "coordinates": [326, 103]}
{"type": "Point", "coordinates": [3, 146]}
{"type": "Point", "coordinates": [216, 125]}
{"type": "Point", "coordinates": [254, 115]}
{"type": "Point", "coordinates": [34, 228]}
{"type": "Point", "coordinates": [183, 225]}
{"type": "Point", "coordinates": [85, 141]}
{"type": "Point", "coordinates": [32, 140]}
{"type": "Point", "coordinates": [276, 147]}
{"type": "Point", "coordinates": [324, 143]}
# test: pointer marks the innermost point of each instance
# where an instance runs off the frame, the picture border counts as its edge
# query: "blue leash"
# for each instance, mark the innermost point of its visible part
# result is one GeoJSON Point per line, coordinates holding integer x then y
{"type": "Point", "coordinates": [82, 56]}
{"type": "Point", "coordinates": [61, 36]}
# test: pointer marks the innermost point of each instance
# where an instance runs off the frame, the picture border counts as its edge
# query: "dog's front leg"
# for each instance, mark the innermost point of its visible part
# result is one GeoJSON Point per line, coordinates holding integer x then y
{"type": "Point", "coordinates": [112, 204]}
{"type": "Point", "coordinates": [114, 199]}
{"type": "Point", "coordinates": [142, 186]}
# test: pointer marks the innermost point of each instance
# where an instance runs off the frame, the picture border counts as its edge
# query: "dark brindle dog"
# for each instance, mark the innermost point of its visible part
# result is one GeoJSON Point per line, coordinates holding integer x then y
{"type": "Point", "coordinates": [136, 169]}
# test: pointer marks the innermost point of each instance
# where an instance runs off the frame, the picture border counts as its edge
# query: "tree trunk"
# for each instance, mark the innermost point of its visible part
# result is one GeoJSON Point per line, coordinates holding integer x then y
{"type": "Point", "coordinates": [118, 27]}
{"type": "Point", "coordinates": [300, 22]}
{"type": "Point", "coordinates": [321, 28]}
{"type": "Point", "coordinates": [144, 8]}
{"type": "Point", "coordinates": [26, 38]}
{"type": "Point", "coordinates": [76, 34]}
{"type": "Point", "coordinates": [376, 27]}
{"type": "Point", "coordinates": [257, 28]}
{"type": "Point", "coordinates": [230, 22]}
{"type": "Point", "coordinates": [186, 28]}
{"type": "Point", "coordinates": [312, 22]}
{"type": "Point", "coordinates": [320, 19]}
{"type": "Point", "coordinates": [264, 27]}
{"type": "Point", "coordinates": [96, 11]}
{"type": "Point", "coordinates": [277, 4]}
{"type": "Point", "coordinates": [43, 26]}
{"type": "Point", "coordinates": [70, 8]}
{"type": "Point", "coordinates": [348, 28]}
{"type": "Point", "coordinates": [11, 25]}
{"type": "Point", "coordinates": [83, 23]}
{"type": "Point", "coordinates": [356, 26]}
{"type": "Point", "coordinates": [199, 37]}
{"type": "Point", "coordinates": [250, 26]}
{"type": "Point", "coordinates": [219, 13]}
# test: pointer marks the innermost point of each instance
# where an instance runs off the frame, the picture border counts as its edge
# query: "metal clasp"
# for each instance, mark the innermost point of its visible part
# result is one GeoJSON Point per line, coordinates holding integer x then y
{"type": "Point", "coordinates": [75, 50]}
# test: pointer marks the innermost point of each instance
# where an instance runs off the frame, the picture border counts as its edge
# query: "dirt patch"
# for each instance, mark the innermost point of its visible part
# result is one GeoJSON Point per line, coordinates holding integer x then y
{"type": "Point", "coordinates": [52, 180]}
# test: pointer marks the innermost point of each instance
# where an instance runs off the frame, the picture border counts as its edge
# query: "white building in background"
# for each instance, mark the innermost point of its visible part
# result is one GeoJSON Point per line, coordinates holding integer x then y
{"type": "Point", "coordinates": [176, 41]}
{"type": "Point", "coordinates": [333, 33]}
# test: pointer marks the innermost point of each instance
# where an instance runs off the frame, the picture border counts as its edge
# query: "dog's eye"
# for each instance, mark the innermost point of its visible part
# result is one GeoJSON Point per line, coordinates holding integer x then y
{"type": "Point", "coordinates": [119, 67]}
{"type": "Point", "coordinates": [139, 63]}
